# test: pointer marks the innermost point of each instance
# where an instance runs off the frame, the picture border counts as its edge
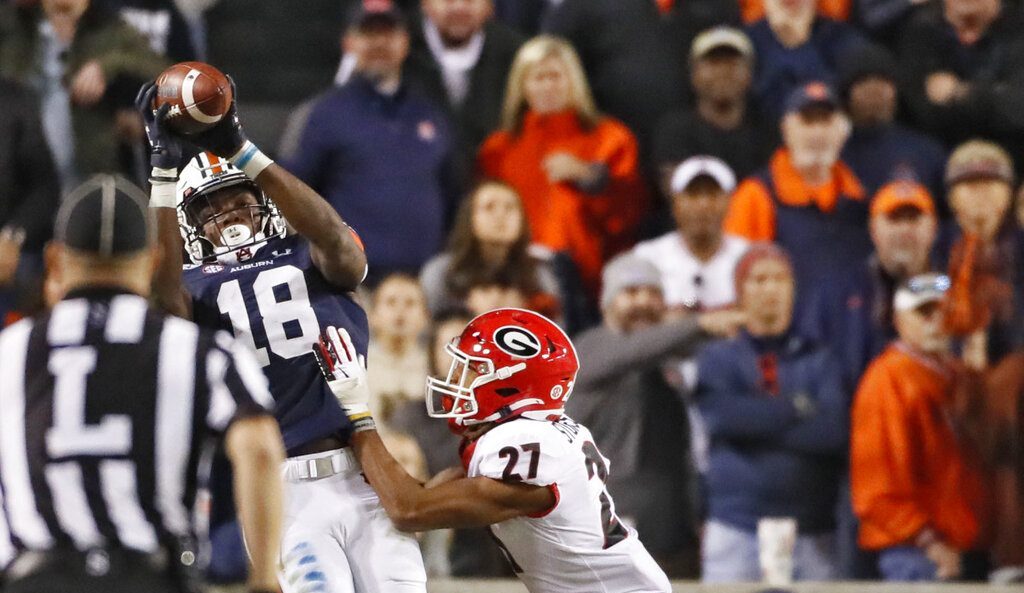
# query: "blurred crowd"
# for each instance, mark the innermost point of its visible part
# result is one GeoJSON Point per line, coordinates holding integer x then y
{"type": "Point", "coordinates": [786, 235]}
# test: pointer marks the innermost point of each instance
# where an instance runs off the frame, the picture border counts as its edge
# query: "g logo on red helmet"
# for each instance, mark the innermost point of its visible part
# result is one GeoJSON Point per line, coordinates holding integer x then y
{"type": "Point", "coordinates": [517, 341]}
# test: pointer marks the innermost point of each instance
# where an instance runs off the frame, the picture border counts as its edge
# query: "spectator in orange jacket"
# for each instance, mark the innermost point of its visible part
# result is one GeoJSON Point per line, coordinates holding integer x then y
{"type": "Point", "coordinates": [753, 10]}
{"type": "Point", "coordinates": [806, 199]}
{"type": "Point", "coordinates": [916, 487]}
{"type": "Point", "coordinates": [576, 170]}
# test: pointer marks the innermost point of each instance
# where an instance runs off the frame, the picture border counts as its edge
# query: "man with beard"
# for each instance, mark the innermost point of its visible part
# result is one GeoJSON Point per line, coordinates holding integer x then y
{"type": "Point", "coordinates": [856, 315]}
{"type": "Point", "coordinates": [774, 406]}
{"type": "Point", "coordinates": [806, 199]}
{"type": "Point", "coordinates": [636, 416]}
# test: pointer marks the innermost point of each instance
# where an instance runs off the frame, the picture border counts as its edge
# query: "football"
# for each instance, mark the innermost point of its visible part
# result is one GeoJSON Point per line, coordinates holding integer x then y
{"type": "Point", "coordinates": [199, 95]}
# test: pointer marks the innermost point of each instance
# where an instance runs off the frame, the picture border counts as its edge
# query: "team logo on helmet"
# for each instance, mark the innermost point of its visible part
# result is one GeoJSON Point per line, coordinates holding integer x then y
{"type": "Point", "coordinates": [517, 341]}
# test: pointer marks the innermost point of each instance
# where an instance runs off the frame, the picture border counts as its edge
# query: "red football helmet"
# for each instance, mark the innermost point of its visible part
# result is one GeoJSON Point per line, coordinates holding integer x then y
{"type": "Point", "coordinates": [506, 363]}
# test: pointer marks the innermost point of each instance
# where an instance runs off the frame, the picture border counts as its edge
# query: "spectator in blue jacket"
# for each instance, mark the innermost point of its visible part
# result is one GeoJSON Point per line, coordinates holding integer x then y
{"type": "Point", "coordinates": [885, 18]}
{"type": "Point", "coordinates": [856, 314]}
{"type": "Point", "coordinates": [879, 149]}
{"type": "Point", "coordinates": [379, 152]}
{"type": "Point", "coordinates": [777, 415]}
{"type": "Point", "coordinates": [794, 45]}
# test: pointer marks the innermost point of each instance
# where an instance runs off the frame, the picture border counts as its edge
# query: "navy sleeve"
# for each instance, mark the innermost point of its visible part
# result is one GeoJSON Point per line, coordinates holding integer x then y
{"type": "Point", "coordinates": [307, 159]}
{"type": "Point", "coordinates": [827, 430]}
{"type": "Point", "coordinates": [879, 14]}
{"type": "Point", "coordinates": [733, 413]}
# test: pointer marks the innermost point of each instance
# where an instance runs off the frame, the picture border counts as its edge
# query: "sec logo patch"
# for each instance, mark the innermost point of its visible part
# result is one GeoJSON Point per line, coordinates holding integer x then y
{"type": "Point", "coordinates": [213, 269]}
{"type": "Point", "coordinates": [517, 341]}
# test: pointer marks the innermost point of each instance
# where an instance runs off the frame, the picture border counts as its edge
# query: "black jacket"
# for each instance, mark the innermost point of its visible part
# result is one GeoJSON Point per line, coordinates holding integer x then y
{"type": "Point", "coordinates": [480, 113]}
{"type": "Point", "coordinates": [684, 133]}
{"type": "Point", "coordinates": [994, 68]}
{"type": "Point", "coordinates": [29, 191]}
{"type": "Point", "coordinates": [637, 59]}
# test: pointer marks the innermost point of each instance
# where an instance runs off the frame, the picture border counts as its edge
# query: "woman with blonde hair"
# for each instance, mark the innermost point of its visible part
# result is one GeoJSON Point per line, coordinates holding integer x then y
{"type": "Point", "coordinates": [577, 171]}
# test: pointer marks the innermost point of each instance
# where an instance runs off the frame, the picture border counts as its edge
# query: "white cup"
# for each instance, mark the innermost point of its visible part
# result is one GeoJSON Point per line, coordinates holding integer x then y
{"type": "Point", "coordinates": [776, 538]}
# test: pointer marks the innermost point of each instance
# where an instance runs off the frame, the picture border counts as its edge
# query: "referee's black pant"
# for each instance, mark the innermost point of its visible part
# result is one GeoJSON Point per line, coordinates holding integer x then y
{"type": "Point", "coordinates": [95, 572]}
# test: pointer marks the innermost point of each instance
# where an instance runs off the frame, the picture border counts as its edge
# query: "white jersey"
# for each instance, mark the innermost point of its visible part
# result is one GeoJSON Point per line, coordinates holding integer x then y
{"type": "Point", "coordinates": [689, 281]}
{"type": "Point", "coordinates": [579, 545]}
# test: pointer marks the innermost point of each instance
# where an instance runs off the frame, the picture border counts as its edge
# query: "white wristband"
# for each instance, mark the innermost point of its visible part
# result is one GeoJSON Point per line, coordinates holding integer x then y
{"type": "Point", "coordinates": [162, 193]}
{"type": "Point", "coordinates": [250, 160]}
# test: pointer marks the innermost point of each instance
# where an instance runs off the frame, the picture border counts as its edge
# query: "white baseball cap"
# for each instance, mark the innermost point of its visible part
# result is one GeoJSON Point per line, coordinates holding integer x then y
{"type": "Point", "coordinates": [721, 36]}
{"type": "Point", "coordinates": [697, 166]}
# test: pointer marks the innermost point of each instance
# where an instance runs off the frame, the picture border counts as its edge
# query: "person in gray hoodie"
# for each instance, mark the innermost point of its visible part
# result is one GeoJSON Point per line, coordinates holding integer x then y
{"type": "Point", "coordinates": [628, 393]}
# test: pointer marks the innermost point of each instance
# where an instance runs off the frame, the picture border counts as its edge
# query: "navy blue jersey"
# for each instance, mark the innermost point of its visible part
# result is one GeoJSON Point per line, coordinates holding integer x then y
{"type": "Point", "coordinates": [277, 303]}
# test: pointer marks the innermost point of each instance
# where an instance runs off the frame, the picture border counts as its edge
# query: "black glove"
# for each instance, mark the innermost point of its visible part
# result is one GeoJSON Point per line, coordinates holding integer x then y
{"type": "Point", "coordinates": [226, 137]}
{"type": "Point", "coordinates": [165, 150]}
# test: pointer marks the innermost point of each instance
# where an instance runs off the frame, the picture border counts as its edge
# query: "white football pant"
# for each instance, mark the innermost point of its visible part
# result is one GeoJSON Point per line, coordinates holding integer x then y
{"type": "Point", "coordinates": [337, 537]}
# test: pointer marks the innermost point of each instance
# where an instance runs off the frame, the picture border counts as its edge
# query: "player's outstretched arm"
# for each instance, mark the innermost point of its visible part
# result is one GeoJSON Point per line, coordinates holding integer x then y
{"type": "Point", "coordinates": [336, 251]}
{"type": "Point", "coordinates": [165, 154]}
{"type": "Point", "coordinates": [463, 502]}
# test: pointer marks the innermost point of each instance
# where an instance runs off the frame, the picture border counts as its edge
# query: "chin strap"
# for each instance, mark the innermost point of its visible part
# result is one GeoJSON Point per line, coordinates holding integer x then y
{"type": "Point", "coordinates": [506, 372]}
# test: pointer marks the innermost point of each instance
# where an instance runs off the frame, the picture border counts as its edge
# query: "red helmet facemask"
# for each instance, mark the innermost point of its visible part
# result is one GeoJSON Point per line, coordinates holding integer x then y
{"type": "Point", "coordinates": [506, 363]}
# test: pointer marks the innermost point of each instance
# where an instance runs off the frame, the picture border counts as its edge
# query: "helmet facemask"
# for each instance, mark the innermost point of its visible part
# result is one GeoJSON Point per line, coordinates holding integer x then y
{"type": "Point", "coordinates": [199, 185]}
{"type": "Point", "coordinates": [248, 226]}
{"type": "Point", "coordinates": [454, 396]}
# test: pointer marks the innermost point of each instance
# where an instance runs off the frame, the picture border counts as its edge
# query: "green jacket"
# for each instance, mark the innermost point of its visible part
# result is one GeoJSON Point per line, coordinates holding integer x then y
{"type": "Point", "coordinates": [122, 52]}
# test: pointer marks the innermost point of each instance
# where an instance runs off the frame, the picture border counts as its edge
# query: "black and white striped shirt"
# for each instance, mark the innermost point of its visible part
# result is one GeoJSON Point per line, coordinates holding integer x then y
{"type": "Point", "coordinates": [105, 407]}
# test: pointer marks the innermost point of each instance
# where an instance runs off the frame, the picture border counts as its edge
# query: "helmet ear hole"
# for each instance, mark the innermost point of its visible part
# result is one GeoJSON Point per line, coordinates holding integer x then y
{"type": "Point", "coordinates": [507, 391]}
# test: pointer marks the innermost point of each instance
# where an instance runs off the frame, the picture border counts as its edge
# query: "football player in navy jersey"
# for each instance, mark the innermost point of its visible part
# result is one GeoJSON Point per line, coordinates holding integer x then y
{"type": "Point", "coordinates": [277, 285]}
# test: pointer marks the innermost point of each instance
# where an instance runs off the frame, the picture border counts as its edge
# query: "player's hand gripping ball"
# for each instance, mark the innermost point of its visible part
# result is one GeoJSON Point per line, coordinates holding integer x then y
{"type": "Point", "coordinates": [199, 96]}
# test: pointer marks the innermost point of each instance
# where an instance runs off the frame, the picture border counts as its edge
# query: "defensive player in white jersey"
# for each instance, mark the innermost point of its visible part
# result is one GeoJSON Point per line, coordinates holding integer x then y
{"type": "Point", "coordinates": [530, 472]}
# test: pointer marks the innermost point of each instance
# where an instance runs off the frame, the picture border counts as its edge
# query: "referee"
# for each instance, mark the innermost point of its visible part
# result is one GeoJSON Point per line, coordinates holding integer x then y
{"type": "Point", "coordinates": [105, 408]}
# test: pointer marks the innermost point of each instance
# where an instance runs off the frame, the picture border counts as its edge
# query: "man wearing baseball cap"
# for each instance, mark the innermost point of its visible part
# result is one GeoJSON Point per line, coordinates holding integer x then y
{"type": "Point", "coordinates": [979, 178]}
{"type": "Point", "coordinates": [880, 148]}
{"type": "Point", "coordinates": [857, 311]}
{"type": "Point", "coordinates": [983, 257]}
{"type": "Point", "coordinates": [354, 138]}
{"type": "Point", "coordinates": [632, 408]}
{"type": "Point", "coordinates": [697, 259]}
{"type": "Point", "coordinates": [723, 122]}
{"type": "Point", "coordinates": [916, 489]}
{"type": "Point", "coordinates": [806, 199]}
